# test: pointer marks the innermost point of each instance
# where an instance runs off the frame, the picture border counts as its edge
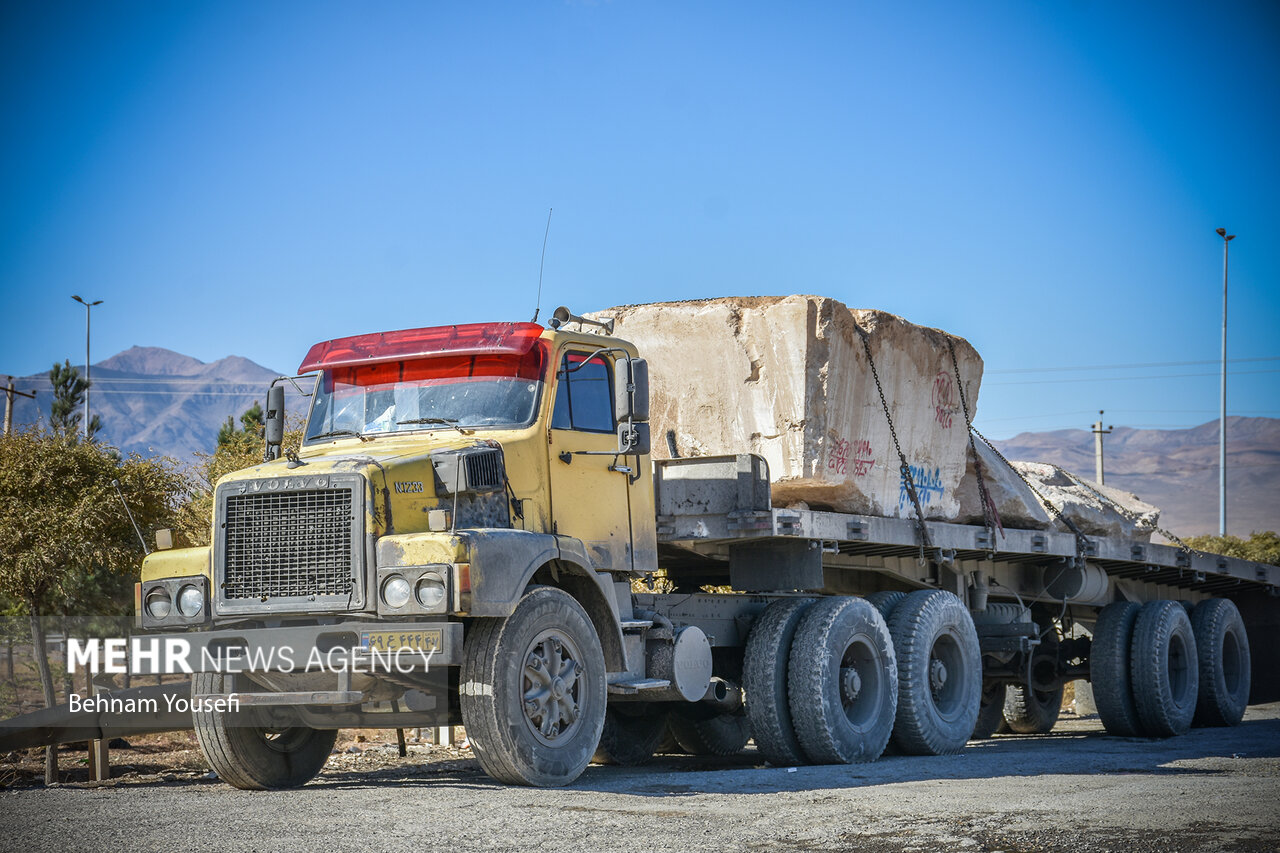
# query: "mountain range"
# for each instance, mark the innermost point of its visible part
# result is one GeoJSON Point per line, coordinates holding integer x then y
{"type": "Point", "coordinates": [154, 400]}
{"type": "Point", "coordinates": [1177, 469]}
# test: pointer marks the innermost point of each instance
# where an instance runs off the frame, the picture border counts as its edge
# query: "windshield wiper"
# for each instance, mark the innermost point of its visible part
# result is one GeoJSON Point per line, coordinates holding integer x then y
{"type": "Point", "coordinates": [453, 422]}
{"type": "Point", "coordinates": [334, 432]}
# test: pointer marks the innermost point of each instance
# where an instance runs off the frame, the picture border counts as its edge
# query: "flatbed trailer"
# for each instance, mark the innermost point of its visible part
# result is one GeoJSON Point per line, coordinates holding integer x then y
{"type": "Point", "coordinates": [485, 496]}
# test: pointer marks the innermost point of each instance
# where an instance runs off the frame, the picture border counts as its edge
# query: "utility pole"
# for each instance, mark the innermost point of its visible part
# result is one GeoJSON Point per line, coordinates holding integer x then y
{"type": "Point", "coordinates": [88, 310]}
{"type": "Point", "coordinates": [1098, 433]}
{"type": "Point", "coordinates": [1222, 410]}
{"type": "Point", "coordinates": [9, 393]}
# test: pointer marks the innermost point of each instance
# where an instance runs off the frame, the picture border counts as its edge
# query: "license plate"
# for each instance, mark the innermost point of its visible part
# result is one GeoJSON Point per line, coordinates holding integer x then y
{"type": "Point", "coordinates": [390, 641]}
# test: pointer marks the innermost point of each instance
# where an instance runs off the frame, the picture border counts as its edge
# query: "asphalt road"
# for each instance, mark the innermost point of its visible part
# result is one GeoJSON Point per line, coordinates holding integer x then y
{"type": "Point", "coordinates": [1077, 790]}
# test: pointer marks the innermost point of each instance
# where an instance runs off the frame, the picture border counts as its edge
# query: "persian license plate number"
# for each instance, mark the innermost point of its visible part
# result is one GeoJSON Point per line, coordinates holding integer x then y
{"type": "Point", "coordinates": [390, 641]}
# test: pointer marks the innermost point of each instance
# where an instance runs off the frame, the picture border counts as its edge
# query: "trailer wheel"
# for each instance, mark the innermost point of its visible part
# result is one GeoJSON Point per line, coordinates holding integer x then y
{"type": "Point", "coordinates": [843, 682]}
{"type": "Point", "coordinates": [1165, 669]}
{"type": "Point", "coordinates": [764, 680]}
{"type": "Point", "coordinates": [990, 712]}
{"type": "Point", "coordinates": [630, 736]}
{"type": "Point", "coordinates": [532, 690]}
{"type": "Point", "coordinates": [885, 600]}
{"type": "Point", "coordinates": [1223, 648]}
{"type": "Point", "coordinates": [1109, 669]}
{"type": "Point", "coordinates": [1028, 711]}
{"type": "Point", "coordinates": [939, 673]}
{"type": "Point", "coordinates": [717, 734]}
{"type": "Point", "coordinates": [246, 750]}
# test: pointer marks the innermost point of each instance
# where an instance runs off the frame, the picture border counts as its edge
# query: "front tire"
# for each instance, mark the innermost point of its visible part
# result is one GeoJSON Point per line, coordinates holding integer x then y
{"type": "Point", "coordinates": [246, 751]}
{"type": "Point", "coordinates": [533, 690]}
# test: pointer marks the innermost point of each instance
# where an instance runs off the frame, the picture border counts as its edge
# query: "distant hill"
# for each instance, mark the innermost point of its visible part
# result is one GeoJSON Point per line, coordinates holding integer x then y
{"type": "Point", "coordinates": [1177, 469]}
{"type": "Point", "coordinates": [156, 401]}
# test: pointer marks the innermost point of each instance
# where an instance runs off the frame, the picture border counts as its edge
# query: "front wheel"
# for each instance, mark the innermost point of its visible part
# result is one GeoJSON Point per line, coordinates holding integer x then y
{"type": "Point", "coordinates": [250, 751]}
{"type": "Point", "coordinates": [533, 690]}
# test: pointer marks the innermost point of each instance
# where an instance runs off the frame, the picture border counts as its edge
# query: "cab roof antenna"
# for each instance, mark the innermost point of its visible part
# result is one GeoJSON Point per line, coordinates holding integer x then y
{"type": "Point", "coordinates": [541, 264]}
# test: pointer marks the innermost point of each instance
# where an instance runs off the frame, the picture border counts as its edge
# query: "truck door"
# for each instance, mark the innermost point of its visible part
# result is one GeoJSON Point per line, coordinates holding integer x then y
{"type": "Point", "coordinates": [588, 500]}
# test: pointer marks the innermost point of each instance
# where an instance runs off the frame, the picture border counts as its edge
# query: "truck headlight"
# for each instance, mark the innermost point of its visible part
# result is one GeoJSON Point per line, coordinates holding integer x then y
{"type": "Point", "coordinates": [430, 590]}
{"type": "Point", "coordinates": [190, 601]}
{"type": "Point", "coordinates": [395, 592]}
{"type": "Point", "coordinates": [159, 603]}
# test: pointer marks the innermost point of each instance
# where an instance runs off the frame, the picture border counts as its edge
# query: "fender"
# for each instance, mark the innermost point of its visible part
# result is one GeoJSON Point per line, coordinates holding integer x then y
{"type": "Point", "coordinates": [503, 563]}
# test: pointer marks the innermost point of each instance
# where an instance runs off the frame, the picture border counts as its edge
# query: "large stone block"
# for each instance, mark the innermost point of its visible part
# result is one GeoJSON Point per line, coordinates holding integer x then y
{"type": "Point", "coordinates": [788, 378]}
{"type": "Point", "coordinates": [1014, 503]}
{"type": "Point", "coordinates": [1096, 510]}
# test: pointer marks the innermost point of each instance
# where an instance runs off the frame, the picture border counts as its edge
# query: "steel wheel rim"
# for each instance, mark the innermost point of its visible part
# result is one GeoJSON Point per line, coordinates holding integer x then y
{"type": "Point", "coordinates": [860, 685]}
{"type": "Point", "coordinates": [946, 676]}
{"type": "Point", "coordinates": [551, 687]}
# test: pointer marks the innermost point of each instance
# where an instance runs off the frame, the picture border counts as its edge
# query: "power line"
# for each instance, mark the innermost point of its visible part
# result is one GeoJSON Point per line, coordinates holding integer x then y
{"type": "Point", "coordinates": [1133, 366]}
{"type": "Point", "coordinates": [1127, 378]}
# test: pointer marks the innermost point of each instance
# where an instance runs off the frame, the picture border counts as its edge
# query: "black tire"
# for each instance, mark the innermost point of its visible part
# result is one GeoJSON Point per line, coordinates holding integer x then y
{"type": "Point", "coordinates": [1165, 669]}
{"type": "Point", "coordinates": [630, 736]}
{"type": "Point", "coordinates": [717, 734]}
{"type": "Point", "coordinates": [939, 673]}
{"type": "Point", "coordinates": [764, 681]}
{"type": "Point", "coordinates": [990, 712]}
{"type": "Point", "coordinates": [1028, 711]}
{"type": "Point", "coordinates": [1224, 663]}
{"type": "Point", "coordinates": [548, 740]}
{"type": "Point", "coordinates": [246, 751]}
{"type": "Point", "coordinates": [885, 600]}
{"type": "Point", "coordinates": [843, 682]}
{"type": "Point", "coordinates": [1109, 669]}
{"type": "Point", "coordinates": [668, 745]}
{"type": "Point", "coordinates": [1001, 613]}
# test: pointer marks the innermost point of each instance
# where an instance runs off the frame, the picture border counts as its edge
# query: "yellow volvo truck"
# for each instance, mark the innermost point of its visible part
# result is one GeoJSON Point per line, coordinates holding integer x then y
{"type": "Point", "coordinates": [461, 536]}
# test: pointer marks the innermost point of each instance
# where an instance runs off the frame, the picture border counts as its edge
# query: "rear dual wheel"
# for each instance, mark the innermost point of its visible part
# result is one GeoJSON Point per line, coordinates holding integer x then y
{"type": "Point", "coordinates": [821, 681]}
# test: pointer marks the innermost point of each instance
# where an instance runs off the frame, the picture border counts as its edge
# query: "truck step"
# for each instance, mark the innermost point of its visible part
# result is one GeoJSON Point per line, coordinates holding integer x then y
{"type": "Point", "coordinates": [636, 624]}
{"type": "Point", "coordinates": [628, 688]}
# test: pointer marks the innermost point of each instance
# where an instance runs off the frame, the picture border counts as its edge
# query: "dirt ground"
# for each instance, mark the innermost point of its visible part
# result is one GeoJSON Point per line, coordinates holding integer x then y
{"type": "Point", "coordinates": [1076, 789]}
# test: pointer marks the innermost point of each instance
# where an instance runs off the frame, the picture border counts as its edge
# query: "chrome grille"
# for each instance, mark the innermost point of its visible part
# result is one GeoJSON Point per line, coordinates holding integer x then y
{"type": "Point", "coordinates": [288, 544]}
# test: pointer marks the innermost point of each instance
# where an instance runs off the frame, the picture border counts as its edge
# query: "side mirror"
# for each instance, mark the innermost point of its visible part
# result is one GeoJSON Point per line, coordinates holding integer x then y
{"type": "Point", "coordinates": [633, 439]}
{"type": "Point", "coordinates": [630, 390]}
{"type": "Point", "coordinates": [273, 429]}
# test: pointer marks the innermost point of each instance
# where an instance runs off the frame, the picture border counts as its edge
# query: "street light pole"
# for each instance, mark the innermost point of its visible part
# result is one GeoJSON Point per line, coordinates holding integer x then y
{"type": "Point", "coordinates": [88, 311]}
{"type": "Point", "coordinates": [1222, 409]}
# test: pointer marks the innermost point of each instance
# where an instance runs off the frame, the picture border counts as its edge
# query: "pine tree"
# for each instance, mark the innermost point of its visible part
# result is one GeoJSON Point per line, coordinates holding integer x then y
{"type": "Point", "coordinates": [68, 400]}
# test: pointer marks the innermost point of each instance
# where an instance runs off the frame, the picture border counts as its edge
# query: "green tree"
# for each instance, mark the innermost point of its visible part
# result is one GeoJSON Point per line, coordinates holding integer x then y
{"type": "Point", "coordinates": [1260, 547]}
{"type": "Point", "coordinates": [68, 400]}
{"type": "Point", "coordinates": [65, 540]}
{"type": "Point", "coordinates": [251, 420]}
{"type": "Point", "coordinates": [237, 449]}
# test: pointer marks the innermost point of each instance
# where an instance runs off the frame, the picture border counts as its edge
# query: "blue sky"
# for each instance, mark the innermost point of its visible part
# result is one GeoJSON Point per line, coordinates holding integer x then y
{"type": "Point", "coordinates": [1041, 178]}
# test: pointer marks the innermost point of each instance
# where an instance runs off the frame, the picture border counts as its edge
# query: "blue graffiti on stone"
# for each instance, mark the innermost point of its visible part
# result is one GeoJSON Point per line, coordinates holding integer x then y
{"type": "Point", "coordinates": [928, 486]}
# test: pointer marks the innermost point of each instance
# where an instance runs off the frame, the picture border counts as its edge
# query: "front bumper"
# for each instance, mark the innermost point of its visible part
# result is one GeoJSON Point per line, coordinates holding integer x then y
{"type": "Point", "coordinates": [296, 648]}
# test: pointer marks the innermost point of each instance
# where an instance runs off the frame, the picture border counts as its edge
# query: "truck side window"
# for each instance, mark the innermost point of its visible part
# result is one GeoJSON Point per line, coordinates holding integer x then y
{"type": "Point", "coordinates": [584, 394]}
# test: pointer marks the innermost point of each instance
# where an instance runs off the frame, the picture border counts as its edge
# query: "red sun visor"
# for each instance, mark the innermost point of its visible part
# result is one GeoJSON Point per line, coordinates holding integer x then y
{"type": "Point", "coordinates": [472, 339]}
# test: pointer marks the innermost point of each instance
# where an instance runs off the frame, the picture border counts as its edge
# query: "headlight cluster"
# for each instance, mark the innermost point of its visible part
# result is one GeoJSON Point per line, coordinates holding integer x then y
{"type": "Point", "coordinates": [175, 601]}
{"type": "Point", "coordinates": [413, 589]}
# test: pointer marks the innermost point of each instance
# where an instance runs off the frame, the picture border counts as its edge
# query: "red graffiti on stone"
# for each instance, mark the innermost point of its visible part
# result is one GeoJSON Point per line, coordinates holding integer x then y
{"type": "Point", "coordinates": [944, 396]}
{"type": "Point", "coordinates": [839, 460]}
{"type": "Point", "coordinates": [862, 458]}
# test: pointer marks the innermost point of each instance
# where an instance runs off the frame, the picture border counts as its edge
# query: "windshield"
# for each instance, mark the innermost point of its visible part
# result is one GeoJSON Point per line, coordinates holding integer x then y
{"type": "Point", "coordinates": [443, 392]}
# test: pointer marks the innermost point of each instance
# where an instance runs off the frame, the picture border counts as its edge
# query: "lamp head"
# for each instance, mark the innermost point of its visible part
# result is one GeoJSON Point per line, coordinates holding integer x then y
{"type": "Point", "coordinates": [1230, 237]}
{"type": "Point", "coordinates": [1222, 232]}
{"type": "Point", "coordinates": [78, 299]}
